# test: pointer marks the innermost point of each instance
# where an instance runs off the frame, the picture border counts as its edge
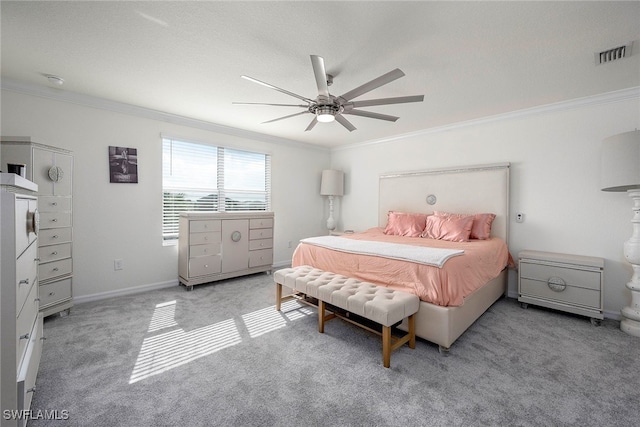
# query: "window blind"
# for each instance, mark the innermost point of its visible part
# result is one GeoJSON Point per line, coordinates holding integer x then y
{"type": "Point", "coordinates": [201, 177]}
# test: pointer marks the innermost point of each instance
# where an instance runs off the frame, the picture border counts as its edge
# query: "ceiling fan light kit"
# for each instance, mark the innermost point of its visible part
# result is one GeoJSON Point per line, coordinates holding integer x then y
{"type": "Point", "coordinates": [327, 108]}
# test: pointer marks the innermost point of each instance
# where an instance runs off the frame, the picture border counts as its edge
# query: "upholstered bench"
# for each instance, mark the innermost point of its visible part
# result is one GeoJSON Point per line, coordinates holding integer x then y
{"type": "Point", "coordinates": [381, 305]}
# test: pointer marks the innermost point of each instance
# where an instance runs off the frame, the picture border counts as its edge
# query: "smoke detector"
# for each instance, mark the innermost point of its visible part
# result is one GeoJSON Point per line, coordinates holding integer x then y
{"type": "Point", "coordinates": [54, 80]}
{"type": "Point", "coordinates": [613, 54]}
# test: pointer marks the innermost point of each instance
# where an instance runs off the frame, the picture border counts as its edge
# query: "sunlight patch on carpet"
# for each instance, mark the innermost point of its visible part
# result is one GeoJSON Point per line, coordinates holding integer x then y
{"type": "Point", "coordinates": [176, 347]}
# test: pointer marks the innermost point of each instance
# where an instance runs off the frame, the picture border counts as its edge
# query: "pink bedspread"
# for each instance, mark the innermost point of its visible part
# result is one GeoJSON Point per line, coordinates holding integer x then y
{"type": "Point", "coordinates": [482, 261]}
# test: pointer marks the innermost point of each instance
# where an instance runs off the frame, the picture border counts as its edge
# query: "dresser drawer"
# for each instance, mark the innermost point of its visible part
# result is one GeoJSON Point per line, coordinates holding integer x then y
{"type": "Point", "coordinates": [570, 275]}
{"type": "Point", "coordinates": [261, 257]}
{"type": "Point", "coordinates": [210, 238]}
{"type": "Point", "coordinates": [54, 252]}
{"type": "Point", "coordinates": [54, 236]}
{"type": "Point", "coordinates": [53, 269]}
{"type": "Point", "coordinates": [204, 250]}
{"type": "Point", "coordinates": [26, 380]}
{"type": "Point", "coordinates": [54, 204]}
{"type": "Point", "coordinates": [202, 226]}
{"type": "Point", "coordinates": [55, 219]}
{"type": "Point", "coordinates": [202, 266]}
{"type": "Point", "coordinates": [26, 274]}
{"type": "Point", "coordinates": [54, 292]}
{"type": "Point", "coordinates": [260, 244]}
{"type": "Point", "coordinates": [261, 223]}
{"type": "Point", "coordinates": [260, 233]}
{"type": "Point", "coordinates": [24, 322]}
{"type": "Point", "coordinates": [569, 294]}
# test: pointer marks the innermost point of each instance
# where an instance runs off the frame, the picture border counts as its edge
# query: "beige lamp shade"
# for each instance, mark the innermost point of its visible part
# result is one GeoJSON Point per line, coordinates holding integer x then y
{"type": "Point", "coordinates": [332, 183]}
{"type": "Point", "coordinates": [621, 162]}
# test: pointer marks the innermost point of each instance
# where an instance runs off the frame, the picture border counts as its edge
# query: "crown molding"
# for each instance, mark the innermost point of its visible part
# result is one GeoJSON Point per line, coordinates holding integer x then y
{"type": "Point", "coordinates": [148, 113]}
{"type": "Point", "coordinates": [589, 101]}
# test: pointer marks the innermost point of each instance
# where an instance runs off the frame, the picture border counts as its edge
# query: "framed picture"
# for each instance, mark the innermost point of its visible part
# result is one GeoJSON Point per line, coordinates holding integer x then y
{"type": "Point", "coordinates": [123, 165]}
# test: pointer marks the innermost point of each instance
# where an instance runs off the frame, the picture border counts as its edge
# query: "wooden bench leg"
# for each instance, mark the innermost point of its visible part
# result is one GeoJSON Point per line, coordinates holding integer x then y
{"type": "Point", "coordinates": [412, 331]}
{"type": "Point", "coordinates": [321, 316]}
{"type": "Point", "coordinates": [386, 346]}
{"type": "Point", "coordinates": [278, 296]}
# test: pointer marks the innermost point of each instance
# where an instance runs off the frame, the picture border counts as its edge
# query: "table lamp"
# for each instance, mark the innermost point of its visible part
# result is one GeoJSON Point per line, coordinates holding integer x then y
{"type": "Point", "coordinates": [332, 185]}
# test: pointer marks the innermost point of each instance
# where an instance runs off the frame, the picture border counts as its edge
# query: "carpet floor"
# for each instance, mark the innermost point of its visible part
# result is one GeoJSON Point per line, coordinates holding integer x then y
{"type": "Point", "coordinates": [221, 355]}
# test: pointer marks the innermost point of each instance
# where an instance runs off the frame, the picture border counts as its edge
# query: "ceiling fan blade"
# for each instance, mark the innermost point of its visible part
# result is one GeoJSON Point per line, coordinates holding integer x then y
{"type": "Point", "coordinates": [270, 105]}
{"type": "Point", "coordinates": [321, 75]}
{"type": "Point", "coordinates": [373, 84]}
{"type": "Point", "coordinates": [312, 124]}
{"type": "Point", "coordinates": [344, 122]}
{"type": "Point", "coordinates": [386, 101]}
{"type": "Point", "coordinates": [285, 117]}
{"type": "Point", "coordinates": [251, 79]}
{"type": "Point", "coordinates": [371, 115]}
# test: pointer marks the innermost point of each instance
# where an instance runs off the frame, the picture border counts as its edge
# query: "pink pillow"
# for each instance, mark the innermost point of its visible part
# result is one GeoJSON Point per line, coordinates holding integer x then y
{"type": "Point", "coordinates": [448, 228]}
{"type": "Point", "coordinates": [481, 228]}
{"type": "Point", "coordinates": [405, 224]}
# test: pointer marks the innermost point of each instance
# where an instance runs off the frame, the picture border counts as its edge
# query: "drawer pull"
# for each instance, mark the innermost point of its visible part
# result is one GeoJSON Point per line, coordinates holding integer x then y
{"type": "Point", "coordinates": [36, 300]}
{"type": "Point", "coordinates": [32, 390]}
{"type": "Point", "coordinates": [54, 220]}
{"type": "Point", "coordinates": [37, 259]}
{"type": "Point", "coordinates": [51, 294]}
{"type": "Point", "coordinates": [556, 284]}
{"type": "Point", "coordinates": [24, 337]}
{"type": "Point", "coordinates": [24, 282]}
{"type": "Point", "coordinates": [54, 253]}
{"type": "Point", "coordinates": [55, 269]}
{"type": "Point", "coordinates": [55, 236]}
{"type": "Point", "coordinates": [54, 203]}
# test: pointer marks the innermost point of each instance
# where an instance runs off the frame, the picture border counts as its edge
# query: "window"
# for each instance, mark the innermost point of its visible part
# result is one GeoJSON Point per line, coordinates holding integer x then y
{"type": "Point", "coordinates": [200, 177]}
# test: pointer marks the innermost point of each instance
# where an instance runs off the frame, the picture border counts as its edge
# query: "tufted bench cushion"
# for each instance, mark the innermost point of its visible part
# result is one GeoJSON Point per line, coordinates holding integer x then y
{"type": "Point", "coordinates": [379, 304]}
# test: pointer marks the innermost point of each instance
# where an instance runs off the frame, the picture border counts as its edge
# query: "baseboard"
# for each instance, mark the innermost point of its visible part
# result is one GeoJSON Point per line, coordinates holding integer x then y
{"type": "Point", "coordinates": [121, 292]}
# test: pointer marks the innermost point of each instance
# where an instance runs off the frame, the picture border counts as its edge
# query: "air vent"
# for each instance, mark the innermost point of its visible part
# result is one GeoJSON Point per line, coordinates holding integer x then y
{"type": "Point", "coordinates": [613, 54]}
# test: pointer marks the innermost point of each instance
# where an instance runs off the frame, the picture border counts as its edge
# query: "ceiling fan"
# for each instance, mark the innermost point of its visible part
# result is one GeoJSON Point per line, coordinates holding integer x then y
{"type": "Point", "coordinates": [327, 108]}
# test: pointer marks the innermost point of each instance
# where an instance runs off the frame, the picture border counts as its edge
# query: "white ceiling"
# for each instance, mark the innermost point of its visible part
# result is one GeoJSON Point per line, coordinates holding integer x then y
{"type": "Point", "coordinates": [469, 59]}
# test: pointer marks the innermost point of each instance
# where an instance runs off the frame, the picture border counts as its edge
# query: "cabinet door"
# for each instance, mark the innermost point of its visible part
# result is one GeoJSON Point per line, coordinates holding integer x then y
{"type": "Point", "coordinates": [235, 245]}
{"type": "Point", "coordinates": [43, 161]}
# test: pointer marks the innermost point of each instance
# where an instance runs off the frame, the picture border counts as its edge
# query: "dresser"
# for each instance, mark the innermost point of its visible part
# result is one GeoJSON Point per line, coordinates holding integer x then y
{"type": "Point", "coordinates": [51, 169]}
{"type": "Point", "coordinates": [20, 321]}
{"type": "Point", "coordinates": [571, 283]}
{"type": "Point", "coordinates": [216, 246]}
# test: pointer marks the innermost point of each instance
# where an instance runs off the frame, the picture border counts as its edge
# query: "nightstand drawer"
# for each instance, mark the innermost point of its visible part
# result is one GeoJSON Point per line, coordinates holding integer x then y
{"type": "Point", "coordinates": [570, 276]}
{"type": "Point", "coordinates": [566, 294]}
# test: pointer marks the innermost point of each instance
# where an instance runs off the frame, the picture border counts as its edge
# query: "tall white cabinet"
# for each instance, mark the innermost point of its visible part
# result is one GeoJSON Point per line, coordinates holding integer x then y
{"type": "Point", "coordinates": [20, 320]}
{"type": "Point", "coordinates": [216, 246]}
{"type": "Point", "coordinates": [51, 168]}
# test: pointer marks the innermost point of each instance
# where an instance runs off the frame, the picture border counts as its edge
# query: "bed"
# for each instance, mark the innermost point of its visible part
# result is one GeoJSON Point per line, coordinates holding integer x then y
{"type": "Point", "coordinates": [452, 296]}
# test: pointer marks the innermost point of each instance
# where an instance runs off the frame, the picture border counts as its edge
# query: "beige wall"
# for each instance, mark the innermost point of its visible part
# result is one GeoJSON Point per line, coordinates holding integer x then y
{"type": "Point", "coordinates": [123, 221]}
{"type": "Point", "coordinates": [555, 172]}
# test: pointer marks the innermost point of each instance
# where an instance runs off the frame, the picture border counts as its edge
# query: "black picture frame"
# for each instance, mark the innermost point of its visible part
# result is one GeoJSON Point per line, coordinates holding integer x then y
{"type": "Point", "coordinates": [123, 165]}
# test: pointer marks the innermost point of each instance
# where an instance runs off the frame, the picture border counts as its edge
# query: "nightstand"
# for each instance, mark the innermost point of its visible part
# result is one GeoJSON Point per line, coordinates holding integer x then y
{"type": "Point", "coordinates": [570, 283]}
{"type": "Point", "coordinates": [340, 233]}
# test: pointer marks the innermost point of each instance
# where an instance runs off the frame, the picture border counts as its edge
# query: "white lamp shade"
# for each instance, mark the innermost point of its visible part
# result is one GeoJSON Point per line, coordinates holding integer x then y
{"type": "Point", "coordinates": [621, 162]}
{"type": "Point", "coordinates": [332, 183]}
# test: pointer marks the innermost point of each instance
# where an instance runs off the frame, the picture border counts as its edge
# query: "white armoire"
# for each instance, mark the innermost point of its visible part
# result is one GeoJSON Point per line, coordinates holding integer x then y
{"type": "Point", "coordinates": [51, 168]}
{"type": "Point", "coordinates": [20, 321]}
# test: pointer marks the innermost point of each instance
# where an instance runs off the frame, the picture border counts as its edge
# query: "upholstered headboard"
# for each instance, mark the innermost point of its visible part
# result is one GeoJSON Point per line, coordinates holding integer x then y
{"type": "Point", "coordinates": [468, 189]}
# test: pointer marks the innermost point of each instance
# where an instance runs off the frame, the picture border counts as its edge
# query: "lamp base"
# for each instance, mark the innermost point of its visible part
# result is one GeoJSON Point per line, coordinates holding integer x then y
{"type": "Point", "coordinates": [631, 315]}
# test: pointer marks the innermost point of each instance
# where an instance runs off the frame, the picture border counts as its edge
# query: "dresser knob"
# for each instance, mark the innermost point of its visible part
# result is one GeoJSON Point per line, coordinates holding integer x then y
{"type": "Point", "coordinates": [51, 294]}
{"type": "Point", "coordinates": [54, 203]}
{"type": "Point", "coordinates": [556, 284]}
{"type": "Point", "coordinates": [24, 337]}
{"type": "Point", "coordinates": [24, 282]}
{"type": "Point", "coordinates": [55, 236]}
{"type": "Point", "coordinates": [31, 390]}
{"type": "Point", "coordinates": [55, 269]}
{"type": "Point", "coordinates": [54, 220]}
{"type": "Point", "coordinates": [54, 253]}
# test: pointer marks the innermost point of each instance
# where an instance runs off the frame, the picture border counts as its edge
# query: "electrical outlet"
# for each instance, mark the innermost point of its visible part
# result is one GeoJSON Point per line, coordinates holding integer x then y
{"type": "Point", "coordinates": [118, 264]}
{"type": "Point", "coordinates": [519, 217]}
